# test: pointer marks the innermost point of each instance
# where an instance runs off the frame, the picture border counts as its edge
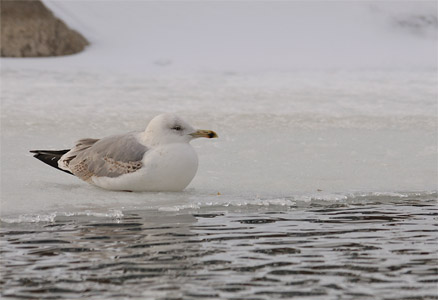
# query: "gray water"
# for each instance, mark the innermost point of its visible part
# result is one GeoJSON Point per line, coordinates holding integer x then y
{"type": "Point", "coordinates": [321, 186]}
{"type": "Point", "coordinates": [368, 247]}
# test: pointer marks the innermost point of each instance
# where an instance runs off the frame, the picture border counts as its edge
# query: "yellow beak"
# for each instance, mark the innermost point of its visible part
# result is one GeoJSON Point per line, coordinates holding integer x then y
{"type": "Point", "coordinates": [204, 133]}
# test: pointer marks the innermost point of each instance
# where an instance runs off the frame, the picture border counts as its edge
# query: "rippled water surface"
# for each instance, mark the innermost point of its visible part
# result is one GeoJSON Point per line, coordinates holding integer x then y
{"type": "Point", "coordinates": [367, 249]}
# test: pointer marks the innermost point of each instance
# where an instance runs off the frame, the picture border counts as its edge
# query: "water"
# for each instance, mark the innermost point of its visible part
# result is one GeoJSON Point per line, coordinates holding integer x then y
{"type": "Point", "coordinates": [378, 247]}
{"type": "Point", "coordinates": [322, 185]}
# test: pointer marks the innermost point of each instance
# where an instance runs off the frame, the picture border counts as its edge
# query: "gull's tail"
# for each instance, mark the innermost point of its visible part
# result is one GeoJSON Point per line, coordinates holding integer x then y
{"type": "Point", "coordinates": [50, 157]}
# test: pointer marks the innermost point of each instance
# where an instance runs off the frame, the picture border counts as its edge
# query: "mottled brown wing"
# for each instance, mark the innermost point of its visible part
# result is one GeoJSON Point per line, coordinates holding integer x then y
{"type": "Point", "coordinates": [109, 157]}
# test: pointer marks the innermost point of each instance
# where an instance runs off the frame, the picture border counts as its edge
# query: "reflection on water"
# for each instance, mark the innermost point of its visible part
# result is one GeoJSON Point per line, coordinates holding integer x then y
{"type": "Point", "coordinates": [342, 251]}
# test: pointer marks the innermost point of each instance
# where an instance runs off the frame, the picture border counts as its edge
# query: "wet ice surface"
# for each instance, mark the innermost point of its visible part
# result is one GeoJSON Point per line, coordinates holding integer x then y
{"type": "Point", "coordinates": [367, 248]}
{"type": "Point", "coordinates": [294, 135]}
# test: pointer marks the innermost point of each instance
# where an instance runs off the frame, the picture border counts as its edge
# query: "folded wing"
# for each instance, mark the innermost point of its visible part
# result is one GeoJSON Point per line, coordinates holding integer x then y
{"type": "Point", "coordinates": [108, 157]}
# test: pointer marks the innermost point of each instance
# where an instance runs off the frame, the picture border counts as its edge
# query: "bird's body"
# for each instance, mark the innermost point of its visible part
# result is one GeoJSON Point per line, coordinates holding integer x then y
{"type": "Point", "coordinates": [175, 163]}
{"type": "Point", "coordinates": [157, 159]}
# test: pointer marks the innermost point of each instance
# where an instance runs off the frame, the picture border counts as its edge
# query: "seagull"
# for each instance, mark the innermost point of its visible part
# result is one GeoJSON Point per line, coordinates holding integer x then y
{"type": "Point", "coordinates": [159, 159]}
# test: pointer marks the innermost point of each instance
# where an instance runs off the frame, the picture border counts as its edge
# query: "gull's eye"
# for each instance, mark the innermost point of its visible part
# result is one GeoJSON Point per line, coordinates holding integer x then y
{"type": "Point", "coordinates": [177, 128]}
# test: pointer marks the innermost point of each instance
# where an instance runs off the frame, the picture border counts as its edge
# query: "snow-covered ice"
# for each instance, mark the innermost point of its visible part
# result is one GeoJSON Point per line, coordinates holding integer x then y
{"type": "Point", "coordinates": [310, 100]}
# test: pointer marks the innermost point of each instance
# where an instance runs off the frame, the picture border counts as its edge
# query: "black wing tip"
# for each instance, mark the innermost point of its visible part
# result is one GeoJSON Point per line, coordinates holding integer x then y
{"type": "Point", "coordinates": [50, 157]}
{"type": "Point", "coordinates": [36, 153]}
{"type": "Point", "coordinates": [53, 152]}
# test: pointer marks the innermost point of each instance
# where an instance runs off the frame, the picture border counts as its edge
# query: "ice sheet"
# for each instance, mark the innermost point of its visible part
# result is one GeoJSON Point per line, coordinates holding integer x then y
{"type": "Point", "coordinates": [311, 100]}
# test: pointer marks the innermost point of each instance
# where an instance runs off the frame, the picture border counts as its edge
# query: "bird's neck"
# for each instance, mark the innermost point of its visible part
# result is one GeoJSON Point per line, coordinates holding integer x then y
{"type": "Point", "coordinates": [149, 139]}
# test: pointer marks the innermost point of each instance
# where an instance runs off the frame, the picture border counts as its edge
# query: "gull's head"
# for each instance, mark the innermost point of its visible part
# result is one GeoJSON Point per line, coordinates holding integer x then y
{"type": "Point", "coordinates": [169, 128]}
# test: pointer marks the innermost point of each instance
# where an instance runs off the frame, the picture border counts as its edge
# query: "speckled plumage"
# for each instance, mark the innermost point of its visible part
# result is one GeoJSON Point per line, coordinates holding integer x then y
{"type": "Point", "coordinates": [157, 159]}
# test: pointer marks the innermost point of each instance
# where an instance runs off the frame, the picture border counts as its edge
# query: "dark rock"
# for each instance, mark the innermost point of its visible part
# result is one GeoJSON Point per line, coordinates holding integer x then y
{"type": "Point", "coordinates": [29, 29]}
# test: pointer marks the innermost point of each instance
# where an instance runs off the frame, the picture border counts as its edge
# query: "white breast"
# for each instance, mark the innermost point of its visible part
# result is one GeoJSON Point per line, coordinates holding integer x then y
{"type": "Point", "coordinates": [170, 167]}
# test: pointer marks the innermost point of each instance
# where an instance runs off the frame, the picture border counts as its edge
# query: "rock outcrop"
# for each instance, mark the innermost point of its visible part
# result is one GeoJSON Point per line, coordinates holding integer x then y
{"type": "Point", "coordinates": [29, 29]}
